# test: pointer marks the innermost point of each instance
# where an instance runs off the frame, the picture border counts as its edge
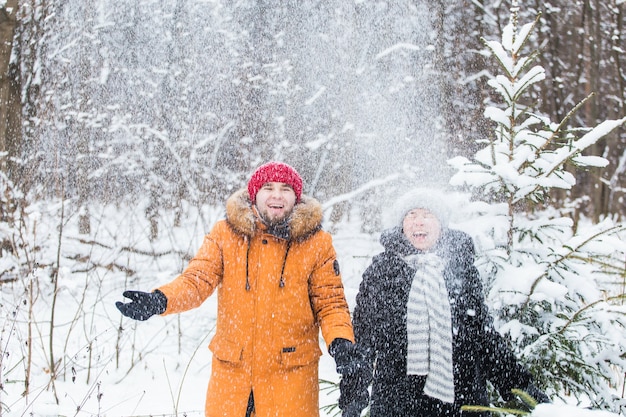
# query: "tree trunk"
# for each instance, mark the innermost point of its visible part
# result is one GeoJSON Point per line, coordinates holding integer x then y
{"type": "Point", "coordinates": [10, 109]}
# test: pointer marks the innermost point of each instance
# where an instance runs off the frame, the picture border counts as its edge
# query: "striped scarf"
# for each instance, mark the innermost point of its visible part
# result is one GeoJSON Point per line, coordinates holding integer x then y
{"type": "Point", "coordinates": [429, 327]}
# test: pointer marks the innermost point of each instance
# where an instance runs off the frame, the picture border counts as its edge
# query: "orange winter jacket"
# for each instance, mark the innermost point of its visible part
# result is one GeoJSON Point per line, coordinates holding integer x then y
{"type": "Point", "coordinates": [273, 296]}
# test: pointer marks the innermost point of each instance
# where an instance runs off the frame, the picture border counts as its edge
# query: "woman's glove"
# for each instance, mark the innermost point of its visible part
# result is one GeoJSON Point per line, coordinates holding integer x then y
{"type": "Point", "coordinates": [143, 305]}
{"type": "Point", "coordinates": [354, 396]}
{"type": "Point", "coordinates": [353, 410]}
{"type": "Point", "coordinates": [537, 394]}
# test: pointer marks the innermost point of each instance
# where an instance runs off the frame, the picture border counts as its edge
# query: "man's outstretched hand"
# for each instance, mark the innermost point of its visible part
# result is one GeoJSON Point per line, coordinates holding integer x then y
{"type": "Point", "coordinates": [143, 305]}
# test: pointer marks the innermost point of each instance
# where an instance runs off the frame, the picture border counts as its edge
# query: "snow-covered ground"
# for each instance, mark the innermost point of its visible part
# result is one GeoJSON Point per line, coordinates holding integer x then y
{"type": "Point", "coordinates": [112, 366]}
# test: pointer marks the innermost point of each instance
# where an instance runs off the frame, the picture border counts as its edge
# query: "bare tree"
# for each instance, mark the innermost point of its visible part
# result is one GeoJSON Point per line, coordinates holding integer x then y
{"type": "Point", "coordinates": [10, 108]}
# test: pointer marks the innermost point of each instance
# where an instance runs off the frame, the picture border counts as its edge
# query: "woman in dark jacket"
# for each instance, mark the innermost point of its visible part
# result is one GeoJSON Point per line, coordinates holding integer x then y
{"type": "Point", "coordinates": [422, 324]}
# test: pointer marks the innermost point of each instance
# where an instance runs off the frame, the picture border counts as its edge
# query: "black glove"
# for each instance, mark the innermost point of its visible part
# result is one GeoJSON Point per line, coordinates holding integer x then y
{"type": "Point", "coordinates": [537, 394]}
{"type": "Point", "coordinates": [347, 357]}
{"type": "Point", "coordinates": [143, 305]}
{"type": "Point", "coordinates": [355, 376]}
{"type": "Point", "coordinates": [354, 396]}
{"type": "Point", "coordinates": [353, 410]}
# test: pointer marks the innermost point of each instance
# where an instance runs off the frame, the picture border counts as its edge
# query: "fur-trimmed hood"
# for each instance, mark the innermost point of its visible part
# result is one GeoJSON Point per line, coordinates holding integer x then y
{"type": "Point", "coordinates": [305, 219]}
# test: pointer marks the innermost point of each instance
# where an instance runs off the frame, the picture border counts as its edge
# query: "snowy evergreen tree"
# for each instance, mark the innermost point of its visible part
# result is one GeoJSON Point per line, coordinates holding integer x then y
{"type": "Point", "coordinates": [556, 291]}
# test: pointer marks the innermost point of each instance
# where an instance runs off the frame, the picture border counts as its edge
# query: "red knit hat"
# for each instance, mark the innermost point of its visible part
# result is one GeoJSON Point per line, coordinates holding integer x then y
{"type": "Point", "coordinates": [274, 172]}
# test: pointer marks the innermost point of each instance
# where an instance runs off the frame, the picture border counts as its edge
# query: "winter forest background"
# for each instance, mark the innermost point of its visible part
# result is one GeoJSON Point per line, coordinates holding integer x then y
{"type": "Point", "coordinates": [125, 126]}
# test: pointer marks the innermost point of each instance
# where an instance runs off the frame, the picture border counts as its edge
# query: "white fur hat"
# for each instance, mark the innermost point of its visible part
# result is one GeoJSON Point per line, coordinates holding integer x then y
{"type": "Point", "coordinates": [430, 199]}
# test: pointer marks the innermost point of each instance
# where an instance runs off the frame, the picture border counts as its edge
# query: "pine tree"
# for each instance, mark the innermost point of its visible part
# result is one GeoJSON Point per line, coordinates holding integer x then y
{"type": "Point", "coordinates": [554, 289]}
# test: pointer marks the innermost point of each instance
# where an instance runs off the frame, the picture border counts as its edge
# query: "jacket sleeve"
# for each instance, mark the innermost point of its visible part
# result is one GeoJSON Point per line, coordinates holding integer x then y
{"type": "Point", "coordinates": [364, 318]}
{"type": "Point", "coordinates": [354, 387]}
{"type": "Point", "coordinates": [200, 277]}
{"type": "Point", "coordinates": [327, 295]}
{"type": "Point", "coordinates": [498, 362]}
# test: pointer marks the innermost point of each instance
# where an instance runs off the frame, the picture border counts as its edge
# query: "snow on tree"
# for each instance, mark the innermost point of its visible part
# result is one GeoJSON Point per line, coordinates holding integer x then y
{"type": "Point", "coordinates": [555, 290]}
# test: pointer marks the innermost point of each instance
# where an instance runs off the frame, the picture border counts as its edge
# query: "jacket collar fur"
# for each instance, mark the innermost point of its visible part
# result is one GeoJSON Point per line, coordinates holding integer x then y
{"type": "Point", "coordinates": [305, 219]}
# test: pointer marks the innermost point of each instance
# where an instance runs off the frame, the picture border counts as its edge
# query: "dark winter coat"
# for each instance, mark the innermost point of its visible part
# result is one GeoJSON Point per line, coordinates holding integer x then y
{"type": "Point", "coordinates": [274, 296]}
{"type": "Point", "coordinates": [479, 352]}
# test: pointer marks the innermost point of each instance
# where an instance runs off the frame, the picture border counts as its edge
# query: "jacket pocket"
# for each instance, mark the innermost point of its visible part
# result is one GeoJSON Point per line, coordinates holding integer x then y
{"type": "Point", "coordinates": [226, 350]}
{"type": "Point", "coordinates": [299, 355]}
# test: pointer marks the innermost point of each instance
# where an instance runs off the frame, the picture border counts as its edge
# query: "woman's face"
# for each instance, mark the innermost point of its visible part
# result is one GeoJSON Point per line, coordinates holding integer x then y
{"type": "Point", "coordinates": [422, 228]}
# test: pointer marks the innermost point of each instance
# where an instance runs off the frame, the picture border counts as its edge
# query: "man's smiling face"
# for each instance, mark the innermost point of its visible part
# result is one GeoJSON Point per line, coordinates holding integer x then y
{"type": "Point", "coordinates": [275, 202]}
{"type": "Point", "coordinates": [422, 228]}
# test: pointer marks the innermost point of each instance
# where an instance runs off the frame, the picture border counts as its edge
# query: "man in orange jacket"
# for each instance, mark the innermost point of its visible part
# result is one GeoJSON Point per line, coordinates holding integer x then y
{"type": "Point", "coordinates": [278, 282]}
